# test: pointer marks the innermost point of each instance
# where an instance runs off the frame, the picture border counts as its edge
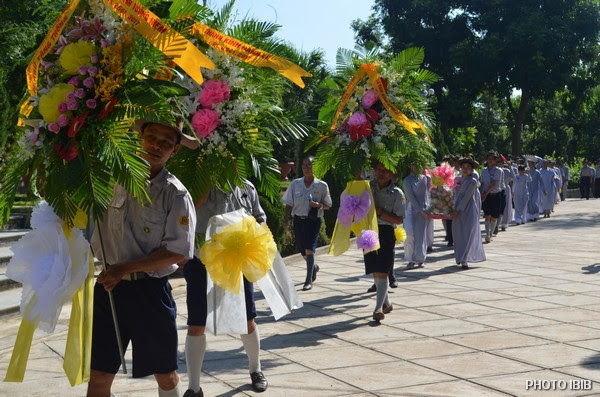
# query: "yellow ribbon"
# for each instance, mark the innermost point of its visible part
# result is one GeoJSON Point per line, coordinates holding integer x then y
{"type": "Point", "coordinates": [78, 350]}
{"type": "Point", "coordinates": [340, 240]}
{"type": "Point", "coordinates": [161, 36]}
{"type": "Point", "coordinates": [239, 249]}
{"type": "Point", "coordinates": [79, 338]}
{"type": "Point", "coordinates": [370, 69]}
{"type": "Point", "coordinates": [250, 54]}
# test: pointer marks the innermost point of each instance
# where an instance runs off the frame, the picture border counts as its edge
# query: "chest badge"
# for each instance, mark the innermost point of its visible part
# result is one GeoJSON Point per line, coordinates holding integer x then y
{"type": "Point", "coordinates": [146, 229]}
{"type": "Point", "coordinates": [184, 221]}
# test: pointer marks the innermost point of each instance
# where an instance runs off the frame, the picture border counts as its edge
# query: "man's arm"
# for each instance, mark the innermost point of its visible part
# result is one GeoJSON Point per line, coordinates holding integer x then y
{"type": "Point", "coordinates": [157, 260]}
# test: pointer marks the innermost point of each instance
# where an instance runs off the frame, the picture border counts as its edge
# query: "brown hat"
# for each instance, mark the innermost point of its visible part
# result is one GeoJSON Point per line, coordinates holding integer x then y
{"type": "Point", "coordinates": [469, 160]}
{"type": "Point", "coordinates": [186, 140]}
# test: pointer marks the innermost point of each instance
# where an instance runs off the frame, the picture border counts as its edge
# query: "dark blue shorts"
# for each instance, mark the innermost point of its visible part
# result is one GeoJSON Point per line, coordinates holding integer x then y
{"type": "Point", "coordinates": [195, 277]}
{"type": "Point", "coordinates": [492, 205]}
{"type": "Point", "coordinates": [382, 260]}
{"type": "Point", "coordinates": [146, 315]}
{"type": "Point", "coordinates": [307, 233]}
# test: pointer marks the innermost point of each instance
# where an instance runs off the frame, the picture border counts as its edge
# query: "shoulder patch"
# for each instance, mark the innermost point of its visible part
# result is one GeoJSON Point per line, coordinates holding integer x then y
{"type": "Point", "coordinates": [184, 221]}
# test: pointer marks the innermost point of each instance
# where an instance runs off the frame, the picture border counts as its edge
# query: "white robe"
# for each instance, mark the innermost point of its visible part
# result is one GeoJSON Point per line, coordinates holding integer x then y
{"type": "Point", "coordinates": [533, 209]}
{"type": "Point", "coordinates": [466, 228]}
{"type": "Point", "coordinates": [548, 188]}
{"type": "Point", "coordinates": [521, 197]}
{"type": "Point", "coordinates": [416, 189]}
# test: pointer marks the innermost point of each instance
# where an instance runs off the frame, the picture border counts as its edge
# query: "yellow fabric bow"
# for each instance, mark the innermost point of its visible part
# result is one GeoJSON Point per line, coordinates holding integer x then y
{"type": "Point", "coordinates": [242, 248]}
{"type": "Point", "coordinates": [400, 234]}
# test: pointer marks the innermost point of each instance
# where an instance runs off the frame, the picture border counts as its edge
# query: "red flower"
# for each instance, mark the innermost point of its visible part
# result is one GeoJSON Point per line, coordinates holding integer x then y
{"type": "Point", "coordinates": [372, 115]}
{"type": "Point", "coordinates": [365, 130]}
{"type": "Point", "coordinates": [107, 109]}
{"type": "Point", "coordinates": [77, 123]}
{"type": "Point", "coordinates": [67, 151]}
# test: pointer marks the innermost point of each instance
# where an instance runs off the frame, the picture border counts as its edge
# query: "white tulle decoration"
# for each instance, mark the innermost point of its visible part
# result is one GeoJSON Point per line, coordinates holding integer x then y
{"type": "Point", "coordinates": [50, 266]}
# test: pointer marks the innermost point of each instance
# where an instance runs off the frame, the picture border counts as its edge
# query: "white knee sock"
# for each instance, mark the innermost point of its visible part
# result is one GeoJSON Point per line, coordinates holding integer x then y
{"type": "Point", "coordinates": [493, 227]}
{"type": "Point", "coordinates": [382, 288]}
{"type": "Point", "coordinates": [195, 347]}
{"type": "Point", "coordinates": [252, 346]}
{"type": "Point", "coordinates": [487, 228]}
{"type": "Point", "coordinates": [175, 392]}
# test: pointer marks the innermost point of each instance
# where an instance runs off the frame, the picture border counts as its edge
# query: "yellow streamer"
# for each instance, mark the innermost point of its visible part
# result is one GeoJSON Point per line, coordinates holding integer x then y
{"type": "Point", "coordinates": [20, 353]}
{"type": "Point", "coordinates": [78, 350]}
{"type": "Point", "coordinates": [340, 240]}
{"type": "Point", "coordinates": [250, 54]}
{"type": "Point", "coordinates": [241, 248]}
{"type": "Point", "coordinates": [167, 40]}
{"type": "Point", "coordinates": [370, 69]}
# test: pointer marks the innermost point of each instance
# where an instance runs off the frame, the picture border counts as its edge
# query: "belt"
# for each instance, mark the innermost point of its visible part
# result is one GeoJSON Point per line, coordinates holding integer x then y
{"type": "Point", "coordinates": [300, 217]}
{"type": "Point", "coordinates": [132, 276]}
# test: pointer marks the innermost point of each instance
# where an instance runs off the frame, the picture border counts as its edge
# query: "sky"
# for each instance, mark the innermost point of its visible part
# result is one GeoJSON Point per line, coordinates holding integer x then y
{"type": "Point", "coordinates": [307, 24]}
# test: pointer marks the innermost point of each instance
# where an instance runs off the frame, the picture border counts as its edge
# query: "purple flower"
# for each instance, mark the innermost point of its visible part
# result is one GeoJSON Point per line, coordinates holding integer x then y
{"type": "Point", "coordinates": [367, 240]}
{"type": "Point", "coordinates": [74, 81]}
{"type": "Point", "coordinates": [104, 43]}
{"type": "Point", "coordinates": [54, 127]}
{"type": "Point", "coordinates": [357, 119]}
{"type": "Point", "coordinates": [71, 104]}
{"type": "Point", "coordinates": [353, 207]}
{"type": "Point", "coordinates": [63, 120]}
{"type": "Point", "coordinates": [62, 107]}
{"type": "Point", "coordinates": [89, 82]}
{"type": "Point", "coordinates": [94, 58]}
{"type": "Point", "coordinates": [91, 103]}
{"type": "Point", "coordinates": [92, 71]}
{"type": "Point", "coordinates": [46, 65]}
{"type": "Point", "coordinates": [82, 70]}
{"type": "Point", "coordinates": [70, 97]}
{"type": "Point", "coordinates": [80, 93]}
{"type": "Point", "coordinates": [369, 99]}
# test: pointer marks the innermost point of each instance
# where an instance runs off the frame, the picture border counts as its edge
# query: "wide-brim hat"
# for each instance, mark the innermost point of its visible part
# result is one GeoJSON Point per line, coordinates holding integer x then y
{"type": "Point", "coordinates": [186, 140]}
{"type": "Point", "coordinates": [469, 160]}
{"type": "Point", "coordinates": [492, 153]}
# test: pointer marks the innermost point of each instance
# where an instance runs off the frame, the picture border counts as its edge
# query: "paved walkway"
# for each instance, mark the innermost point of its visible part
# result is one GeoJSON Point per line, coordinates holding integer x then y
{"type": "Point", "coordinates": [530, 312]}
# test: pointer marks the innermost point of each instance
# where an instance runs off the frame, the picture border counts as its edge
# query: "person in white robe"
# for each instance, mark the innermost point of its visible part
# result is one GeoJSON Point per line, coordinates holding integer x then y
{"type": "Point", "coordinates": [416, 189]}
{"type": "Point", "coordinates": [533, 209]}
{"type": "Point", "coordinates": [507, 215]}
{"type": "Point", "coordinates": [466, 228]}
{"type": "Point", "coordinates": [521, 195]}
{"type": "Point", "coordinates": [548, 183]}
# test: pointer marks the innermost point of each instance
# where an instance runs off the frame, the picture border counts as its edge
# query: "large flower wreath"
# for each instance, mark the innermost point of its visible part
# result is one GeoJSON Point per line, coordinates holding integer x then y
{"type": "Point", "coordinates": [381, 115]}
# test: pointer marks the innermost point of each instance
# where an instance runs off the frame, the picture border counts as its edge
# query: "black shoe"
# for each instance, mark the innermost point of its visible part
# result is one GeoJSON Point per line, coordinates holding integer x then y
{"type": "Point", "coordinates": [190, 393]}
{"type": "Point", "coordinates": [450, 244]}
{"type": "Point", "coordinates": [307, 287]}
{"type": "Point", "coordinates": [393, 284]}
{"type": "Point", "coordinates": [373, 288]}
{"type": "Point", "coordinates": [315, 271]}
{"type": "Point", "coordinates": [259, 382]}
{"type": "Point", "coordinates": [429, 249]}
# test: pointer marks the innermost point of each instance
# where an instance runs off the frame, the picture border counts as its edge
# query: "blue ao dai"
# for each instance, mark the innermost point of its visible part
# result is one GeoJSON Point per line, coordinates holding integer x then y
{"type": "Point", "coordinates": [466, 229]}
{"type": "Point", "coordinates": [416, 189]}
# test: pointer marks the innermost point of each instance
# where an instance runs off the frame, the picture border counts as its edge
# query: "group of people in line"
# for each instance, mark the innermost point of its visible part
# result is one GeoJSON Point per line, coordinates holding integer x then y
{"type": "Point", "coordinates": [589, 180]}
{"type": "Point", "coordinates": [144, 244]}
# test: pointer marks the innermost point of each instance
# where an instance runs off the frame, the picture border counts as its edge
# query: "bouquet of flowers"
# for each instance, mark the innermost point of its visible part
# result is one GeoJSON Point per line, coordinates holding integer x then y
{"type": "Point", "coordinates": [383, 111]}
{"type": "Point", "coordinates": [75, 132]}
{"type": "Point", "coordinates": [442, 192]}
{"type": "Point", "coordinates": [236, 113]}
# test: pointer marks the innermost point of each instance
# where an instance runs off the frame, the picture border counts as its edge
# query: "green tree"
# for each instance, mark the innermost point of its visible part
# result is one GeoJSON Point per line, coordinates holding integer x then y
{"type": "Point", "coordinates": [494, 45]}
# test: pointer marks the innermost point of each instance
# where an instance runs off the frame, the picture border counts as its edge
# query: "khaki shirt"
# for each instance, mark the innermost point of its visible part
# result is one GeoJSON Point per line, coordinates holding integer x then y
{"type": "Point", "coordinates": [297, 196]}
{"type": "Point", "coordinates": [132, 231]}
{"type": "Point", "coordinates": [390, 199]}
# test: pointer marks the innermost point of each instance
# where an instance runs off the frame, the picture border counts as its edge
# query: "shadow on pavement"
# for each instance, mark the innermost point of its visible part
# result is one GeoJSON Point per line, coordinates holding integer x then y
{"type": "Point", "coordinates": [591, 269]}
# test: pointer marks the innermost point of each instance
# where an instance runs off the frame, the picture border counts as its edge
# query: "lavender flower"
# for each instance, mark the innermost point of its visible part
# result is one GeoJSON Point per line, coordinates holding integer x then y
{"type": "Point", "coordinates": [80, 93]}
{"type": "Point", "coordinates": [72, 104]}
{"type": "Point", "coordinates": [91, 103]}
{"type": "Point", "coordinates": [74, 81]}
{"type": "Point", "coordinates": [54, 127]}
{"type": "Point", "coordinates": [63, 120]}
{"type": "Point", "coordinates": [89, 82]}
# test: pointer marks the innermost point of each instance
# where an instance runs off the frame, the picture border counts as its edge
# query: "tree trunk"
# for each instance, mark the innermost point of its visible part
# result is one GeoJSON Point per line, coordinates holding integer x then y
{"type": "Point", "coordinates": [517, 131]}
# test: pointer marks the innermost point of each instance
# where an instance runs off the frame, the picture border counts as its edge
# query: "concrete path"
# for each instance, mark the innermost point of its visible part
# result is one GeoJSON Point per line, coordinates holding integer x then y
{"type": "Point", "coordinates": [531, 312]}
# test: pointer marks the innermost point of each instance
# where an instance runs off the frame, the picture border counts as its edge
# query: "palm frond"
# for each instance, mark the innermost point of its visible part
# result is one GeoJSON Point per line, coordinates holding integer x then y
{"type": "Point", "coordinates": [222, 17]}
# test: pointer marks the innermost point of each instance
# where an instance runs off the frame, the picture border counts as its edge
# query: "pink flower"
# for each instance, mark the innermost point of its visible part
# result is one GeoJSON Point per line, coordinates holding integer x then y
{"type": "Point", "coordinates": [205, 121]}
{"type": "Point", "coordinates": [213, 92]}
{"type": "Point", "coordinates": [89, 82]}
{"type": "Point", "coordinates": [91, 103]}
{"type": "Point", "coordinates": [82, 70]}
{"type": "Point", "coordinates": [80, 93]}
{"type": "Point", "coordinates": [94, 58]}
{"type": "Point", "coordinates": [92, 71]}
{"type": "Point", "coordinates": [54, 127]}
{"type": "Point", "coordinates": [62, 107]}
{"type": "Point", "coordinates": [369, 99]}
{"type": "Point", "coordinates": [63, 120]}
{"type": "Point", "coordinates": [71, 104]}
{"type": "Point", "coordinates": [357, 119]}
{"type": "Point", "coordinates": [70, 96]}
{"type": "Point", "coordinates": [33, 138]}
{"type": "Point", "coordinates": [74, 81]}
